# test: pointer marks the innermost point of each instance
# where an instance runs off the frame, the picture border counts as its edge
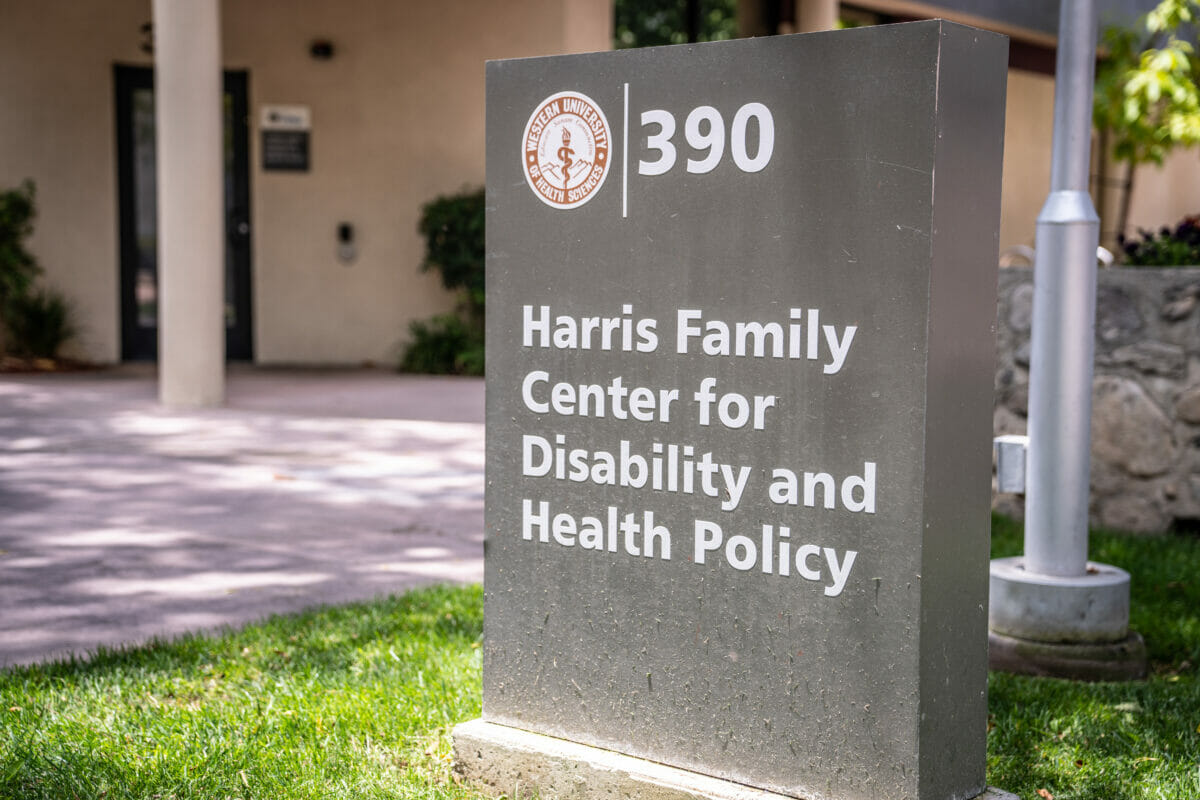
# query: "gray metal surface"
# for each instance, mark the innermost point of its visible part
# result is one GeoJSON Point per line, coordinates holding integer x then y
{"type": "Point", "coordinates": [878, 209]}
{"type": "Point", "coordinates": [1010, 463]}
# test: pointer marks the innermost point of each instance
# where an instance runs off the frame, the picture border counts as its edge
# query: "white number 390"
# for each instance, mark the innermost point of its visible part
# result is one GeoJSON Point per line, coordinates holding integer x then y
{"type": "Point", "coordinates": [704, 130]}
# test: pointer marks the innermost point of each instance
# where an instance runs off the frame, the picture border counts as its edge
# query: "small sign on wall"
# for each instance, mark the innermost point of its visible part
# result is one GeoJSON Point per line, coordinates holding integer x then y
{"type": "Point", "coordinates": [285, 137]}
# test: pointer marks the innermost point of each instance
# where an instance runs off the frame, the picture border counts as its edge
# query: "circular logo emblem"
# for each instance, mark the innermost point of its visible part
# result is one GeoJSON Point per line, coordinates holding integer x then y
{"type": "Point", "coordinates": [565, 150]}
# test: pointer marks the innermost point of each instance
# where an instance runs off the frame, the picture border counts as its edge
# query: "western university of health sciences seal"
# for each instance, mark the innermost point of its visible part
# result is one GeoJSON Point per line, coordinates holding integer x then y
{"type": "Point", "coordinates": [565, 149]}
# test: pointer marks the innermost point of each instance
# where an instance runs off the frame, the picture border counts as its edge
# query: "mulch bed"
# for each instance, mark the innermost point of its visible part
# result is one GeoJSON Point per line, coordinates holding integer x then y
{"type": "Point", "coordinates": [27, 365]}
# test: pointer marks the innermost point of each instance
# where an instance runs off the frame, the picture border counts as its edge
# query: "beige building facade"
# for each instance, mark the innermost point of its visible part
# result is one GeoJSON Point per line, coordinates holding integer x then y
{"type": "Point", "coordinates": [393, 95]}
{"type": "Point", "coordinates": [397, 118]}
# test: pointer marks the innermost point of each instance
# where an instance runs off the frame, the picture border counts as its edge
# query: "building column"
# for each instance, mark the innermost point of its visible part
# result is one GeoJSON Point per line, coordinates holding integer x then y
{"type": "Point", "coordinates": [587, 26]}
{"type": "Point", "coordinates": [770, 17]}
{"type": "Point", "coordinates": [816, 15]}
{"type": "Point", "coordinates": [191, 229]}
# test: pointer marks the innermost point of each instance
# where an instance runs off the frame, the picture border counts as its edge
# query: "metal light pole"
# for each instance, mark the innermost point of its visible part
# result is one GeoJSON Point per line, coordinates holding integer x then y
{"type": "Point", "coordinates": [1052, 611]}
{"type": "Point", "coordinates": [1064, 317]}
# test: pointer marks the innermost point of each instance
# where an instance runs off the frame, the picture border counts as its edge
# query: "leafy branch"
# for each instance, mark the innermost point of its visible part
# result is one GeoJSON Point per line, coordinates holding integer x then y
{"type": "Point", "coordinates": [1146, 96]}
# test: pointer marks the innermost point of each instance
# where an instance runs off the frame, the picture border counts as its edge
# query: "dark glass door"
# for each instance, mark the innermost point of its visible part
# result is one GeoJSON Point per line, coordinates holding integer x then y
{"type": "Point", "coordinates": [137, 185]}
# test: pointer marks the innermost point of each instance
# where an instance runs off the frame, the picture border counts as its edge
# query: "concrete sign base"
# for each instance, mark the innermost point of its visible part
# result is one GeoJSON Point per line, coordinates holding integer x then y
{"type": "Point", "coordinates": [522, 764]}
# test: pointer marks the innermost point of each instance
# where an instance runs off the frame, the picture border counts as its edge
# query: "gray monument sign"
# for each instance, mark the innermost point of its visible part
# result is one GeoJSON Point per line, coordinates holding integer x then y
{"type": "Point", "coordinates": [740, 307]}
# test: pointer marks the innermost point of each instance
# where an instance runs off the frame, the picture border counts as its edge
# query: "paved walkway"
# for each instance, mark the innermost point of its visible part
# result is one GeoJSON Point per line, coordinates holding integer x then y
{"type": "Point", "coordinates": [120, 520]}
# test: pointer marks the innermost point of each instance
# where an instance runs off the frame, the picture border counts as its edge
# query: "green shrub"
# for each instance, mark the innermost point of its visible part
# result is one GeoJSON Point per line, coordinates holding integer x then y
{"type": "Point", "coordinates": [18, 268]}
{"type": "Point", "coordinates": [1167, 248]}
{"type": "Point", "coordinates": [444, 345]}
{"type": "Point", "coordinates": [35, 322]}
{"type": "Point", "coordinates": [38, 323]}
{"type": "Point", "coordinates": [453, 227]}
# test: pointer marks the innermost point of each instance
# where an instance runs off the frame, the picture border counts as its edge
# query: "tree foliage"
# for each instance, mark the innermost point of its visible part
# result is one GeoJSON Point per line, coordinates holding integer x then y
{"type": "Point", "coordinates": [1146, 90]}
{"type": "Point", "coordinates": [647, 23]}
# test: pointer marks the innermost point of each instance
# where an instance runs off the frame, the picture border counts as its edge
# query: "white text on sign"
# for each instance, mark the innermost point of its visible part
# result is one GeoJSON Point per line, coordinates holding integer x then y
{"type": "Point", "coordinates": [704, 131]}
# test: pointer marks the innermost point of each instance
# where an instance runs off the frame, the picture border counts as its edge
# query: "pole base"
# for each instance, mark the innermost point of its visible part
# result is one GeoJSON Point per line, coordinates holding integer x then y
{"type": "Point", "coordinates": [1092, 608]}
{"type": "Point", "coordinates": [1124, 660]}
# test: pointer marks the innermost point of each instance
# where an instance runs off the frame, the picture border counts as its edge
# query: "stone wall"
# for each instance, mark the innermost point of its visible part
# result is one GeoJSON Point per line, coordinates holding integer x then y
{"type": "Point", "coordinates": [1145, 396]}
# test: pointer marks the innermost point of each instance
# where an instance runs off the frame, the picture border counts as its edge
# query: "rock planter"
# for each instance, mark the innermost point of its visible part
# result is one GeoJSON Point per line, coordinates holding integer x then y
{"type": "Point", "coordinates": [1145, 398]}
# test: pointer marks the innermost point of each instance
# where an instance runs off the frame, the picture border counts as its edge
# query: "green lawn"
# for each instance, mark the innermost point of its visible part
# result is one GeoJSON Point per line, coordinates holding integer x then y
{"type": "Point", "coordinates": [346, 702]}
{"type": "Point", "coordinates": [358, 701]}
{"type": "Point", "coordinates": [1111, 741]}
